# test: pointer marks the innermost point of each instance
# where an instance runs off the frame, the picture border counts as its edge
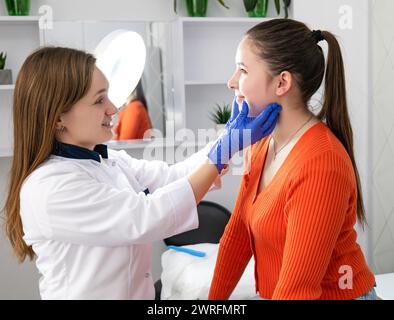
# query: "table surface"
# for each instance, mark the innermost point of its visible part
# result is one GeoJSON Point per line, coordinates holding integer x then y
{"type": "Point", "coordinates": [385, 286]}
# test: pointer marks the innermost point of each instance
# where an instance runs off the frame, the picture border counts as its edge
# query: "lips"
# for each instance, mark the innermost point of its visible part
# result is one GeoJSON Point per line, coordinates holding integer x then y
{"type": "Point", "coordinates": [240, 100]}
{"type": "Point", "coordinates": [107, 124]}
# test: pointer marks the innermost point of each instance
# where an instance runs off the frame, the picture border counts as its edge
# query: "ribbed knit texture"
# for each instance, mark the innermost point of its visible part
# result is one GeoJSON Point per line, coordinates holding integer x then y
{"type": "Point", "coordinates": [299, 228]}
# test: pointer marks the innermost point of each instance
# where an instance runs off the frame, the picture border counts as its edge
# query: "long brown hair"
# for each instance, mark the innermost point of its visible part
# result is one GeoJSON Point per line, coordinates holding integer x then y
{"type": "Point", "coordinates": [50, 82]}
{"type": "Point", "coordinates": [139, 95]}
{"type": "Point", "coordinates": [289, 45]}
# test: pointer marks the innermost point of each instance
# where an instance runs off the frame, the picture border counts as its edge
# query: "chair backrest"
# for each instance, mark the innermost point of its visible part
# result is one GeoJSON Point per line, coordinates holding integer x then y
{"type": "Point", "coordinates": [213, 219]}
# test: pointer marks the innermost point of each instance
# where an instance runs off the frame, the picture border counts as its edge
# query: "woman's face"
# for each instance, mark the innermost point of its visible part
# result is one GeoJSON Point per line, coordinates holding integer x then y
{"type": "Point", "coordinates": [88, 122]}
{"type": "Point", "coordinates": [252, 80]}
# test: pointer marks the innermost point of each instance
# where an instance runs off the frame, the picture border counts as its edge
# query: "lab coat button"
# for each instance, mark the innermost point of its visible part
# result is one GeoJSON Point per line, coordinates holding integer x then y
{"type": "Point", "coordinates": [113, 163]}
{"type": "Point", "coordinates": [147, 275]}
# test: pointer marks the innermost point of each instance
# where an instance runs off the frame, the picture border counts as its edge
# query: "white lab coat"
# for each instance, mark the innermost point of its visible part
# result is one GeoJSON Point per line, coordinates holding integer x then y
{"type": "Point", "coordinates": [91, 225]}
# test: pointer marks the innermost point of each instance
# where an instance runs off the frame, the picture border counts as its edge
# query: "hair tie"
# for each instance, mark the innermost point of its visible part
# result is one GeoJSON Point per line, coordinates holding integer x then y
{"type": "Point", "coordinates": [318, 35]}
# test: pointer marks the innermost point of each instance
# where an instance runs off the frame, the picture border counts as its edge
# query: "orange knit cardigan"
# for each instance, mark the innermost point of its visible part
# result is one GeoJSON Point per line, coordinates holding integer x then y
{"type": "Point", "coordinates": [299, 228]}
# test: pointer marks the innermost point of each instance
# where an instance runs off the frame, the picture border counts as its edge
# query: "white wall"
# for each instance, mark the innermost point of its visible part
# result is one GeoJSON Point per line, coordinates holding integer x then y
{"type": "Point", "coordinates": [17, 281]}
{"type": "Point", "coordinates": [369, 60]}
{"type": "Point", "coordinates": [326, 15]}
{"type": "Point", "coordinates": [382, 26]}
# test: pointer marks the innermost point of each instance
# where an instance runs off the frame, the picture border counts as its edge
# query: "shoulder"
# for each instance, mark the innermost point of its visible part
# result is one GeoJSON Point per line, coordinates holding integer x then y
{"type": "Point", "coordinates": [319, 142]}
{"type": "Point", "coordinates": [135, 106]}
{"type": "Point", "coordinates": [52, 175]}
{"type": "Point", "coordinates": [321, 152]}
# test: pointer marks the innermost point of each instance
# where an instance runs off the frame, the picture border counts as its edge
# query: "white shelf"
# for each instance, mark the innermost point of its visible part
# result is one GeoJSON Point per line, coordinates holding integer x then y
{"type": "Point", "coordinates": [223, 19]}
{"type": "Point", "coordinates": [220, 22]}
{"type": "Point", "coordinates": [133, 144]}
{"type": "Point", "coordinates": [206, 59]}
{"type": "Point", "coordinates": [5, 152]}
{"type": "Point", "coordinates": [205, 83]}
{"type": "Point", "coordinates": [7, 87]}
{"type": "Point", "coordinates": [130, 145]}
{"type": "Point", "coordinates": [155, 143]}
{"type": "Point", "coordinates": [19, 19]}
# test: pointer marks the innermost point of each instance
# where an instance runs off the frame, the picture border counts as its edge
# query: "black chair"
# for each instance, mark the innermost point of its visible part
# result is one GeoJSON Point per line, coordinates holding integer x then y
{"type": "Point", "coordinates": [212, 218]}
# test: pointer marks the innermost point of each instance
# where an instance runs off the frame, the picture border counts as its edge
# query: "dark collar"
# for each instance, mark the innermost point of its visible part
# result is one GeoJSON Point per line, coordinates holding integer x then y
{"type": "Point", "coordinates": [75, 152]}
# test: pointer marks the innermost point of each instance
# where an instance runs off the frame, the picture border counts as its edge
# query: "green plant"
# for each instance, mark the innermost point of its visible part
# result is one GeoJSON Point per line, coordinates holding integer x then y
{"type": "Point", "coordinates": [220, 1]}
{"type": "Point", "coordinates": [3, 58]}
{"type": "Point", "coordinates": [18, 7]}
{"type": "Point", "coordinates": [250, 6]}
{"type": "Point", "coordinates": [221, 114]}
{"type": "Point", "coordinates": [256, 8]}
{"type": "Point", "coordinates": [286, 5]}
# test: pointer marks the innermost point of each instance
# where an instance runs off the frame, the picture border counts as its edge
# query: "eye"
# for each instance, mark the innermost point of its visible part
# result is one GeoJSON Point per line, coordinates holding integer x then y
{"type": "Point", "coordinates": [100, 100]}
{"type": "Point", "coordinates": [242, 70]}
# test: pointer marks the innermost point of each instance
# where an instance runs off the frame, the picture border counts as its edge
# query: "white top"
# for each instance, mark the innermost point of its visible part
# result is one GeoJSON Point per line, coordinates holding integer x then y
{"type": "Point", "coordinates": [91, 224]}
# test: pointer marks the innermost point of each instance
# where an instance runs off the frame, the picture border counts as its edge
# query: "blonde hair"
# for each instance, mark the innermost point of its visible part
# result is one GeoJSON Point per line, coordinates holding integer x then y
{"type": "Point", "coordinates": [50, 82]}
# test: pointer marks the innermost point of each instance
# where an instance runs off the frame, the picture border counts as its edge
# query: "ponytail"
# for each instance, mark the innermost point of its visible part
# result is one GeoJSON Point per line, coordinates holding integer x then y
{"type": "Point", "coordinates": [335, 111]}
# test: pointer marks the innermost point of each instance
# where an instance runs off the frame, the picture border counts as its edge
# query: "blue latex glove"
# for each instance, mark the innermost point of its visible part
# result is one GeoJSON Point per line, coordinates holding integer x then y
{"type": "Point", "coordinates": [234, 113]}
{"type": "Point", "coordinates": [243, 131]}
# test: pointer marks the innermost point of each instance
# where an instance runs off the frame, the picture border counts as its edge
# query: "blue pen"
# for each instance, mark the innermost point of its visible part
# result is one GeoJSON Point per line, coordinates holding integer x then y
{"type": "Point", "coordinates": [195, 253]}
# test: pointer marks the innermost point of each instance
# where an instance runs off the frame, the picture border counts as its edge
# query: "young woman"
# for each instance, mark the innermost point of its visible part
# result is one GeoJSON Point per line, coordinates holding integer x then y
{"type": "Point", "coordinates": [297, 206]}
{"type": "Point", "coordinates": [89, 214]}
{"type": "Point", "coordinates": [134, 121]}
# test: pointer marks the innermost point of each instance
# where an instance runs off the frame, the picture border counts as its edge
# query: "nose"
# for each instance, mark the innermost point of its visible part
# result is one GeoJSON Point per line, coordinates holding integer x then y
{"type": "Point", "coordinates": [233, 82]}
{"type": "Point", "coordinates": [112, 110]}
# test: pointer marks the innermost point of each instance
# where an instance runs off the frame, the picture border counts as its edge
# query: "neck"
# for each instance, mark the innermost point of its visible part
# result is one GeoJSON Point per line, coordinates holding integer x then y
{"type": "Point", "coordinates": [72, 142]}
{"type": "Point", "coordinates": [291, 118]}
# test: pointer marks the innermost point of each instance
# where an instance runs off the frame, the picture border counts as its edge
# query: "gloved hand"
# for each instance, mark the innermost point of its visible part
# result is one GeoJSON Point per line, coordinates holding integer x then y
{"type": "Point", "coordinates": [234, 113]}
{"type": "Point", "coordinates": [241, 132]}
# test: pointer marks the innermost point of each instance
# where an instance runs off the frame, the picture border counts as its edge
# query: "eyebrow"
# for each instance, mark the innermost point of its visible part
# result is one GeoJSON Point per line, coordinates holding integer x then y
{"type": "Point", "coordinates": [100, 91]}
{"type": "Point", "coordinates": [241, 64]}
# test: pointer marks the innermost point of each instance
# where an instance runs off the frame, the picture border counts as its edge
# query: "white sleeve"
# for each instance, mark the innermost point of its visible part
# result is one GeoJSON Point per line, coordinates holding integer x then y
{"type": "Point", "coordinates": [156, 174]}
{"type": "Point", "coordinates": [75, 208]}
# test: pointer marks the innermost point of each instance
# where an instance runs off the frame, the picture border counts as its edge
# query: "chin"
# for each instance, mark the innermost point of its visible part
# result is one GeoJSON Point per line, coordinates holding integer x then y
{"type": "Point", "coordinates": [108, 135]}
{"type": "Point", "coordinates": [102, 141]}
{"type": "Point", "coordinates": [254, 112]}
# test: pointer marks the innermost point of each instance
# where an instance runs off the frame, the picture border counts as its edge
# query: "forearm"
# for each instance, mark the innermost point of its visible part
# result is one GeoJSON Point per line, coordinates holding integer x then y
{"type": "Point", "coordinates": [202, 179]}
{"type": "Point", "coordinates": [188, 166]}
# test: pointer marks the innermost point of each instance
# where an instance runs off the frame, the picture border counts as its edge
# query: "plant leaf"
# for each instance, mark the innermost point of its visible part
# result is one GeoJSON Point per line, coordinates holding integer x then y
{"type": "Point", "coordinates": [221, 114]}
{"type": "Point", "coordinates": [286, 5]}
{"type": "Point", "coordinates": [277, 6]}
{"type": "Point", "coordinates": [220, 1]}
{"type": "Point", "coordinates": [223, 4]}
{"type": "Point", "coordinates": [250, 5]}
{"type": "Point", "coordinates": [3, 58]}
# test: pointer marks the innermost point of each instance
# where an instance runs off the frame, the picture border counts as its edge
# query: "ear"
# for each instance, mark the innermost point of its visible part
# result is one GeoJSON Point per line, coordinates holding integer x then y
{"type": "Point", "coordinates": [60, 123]}
{"type": "Point", "coordinates": [284, 83]}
